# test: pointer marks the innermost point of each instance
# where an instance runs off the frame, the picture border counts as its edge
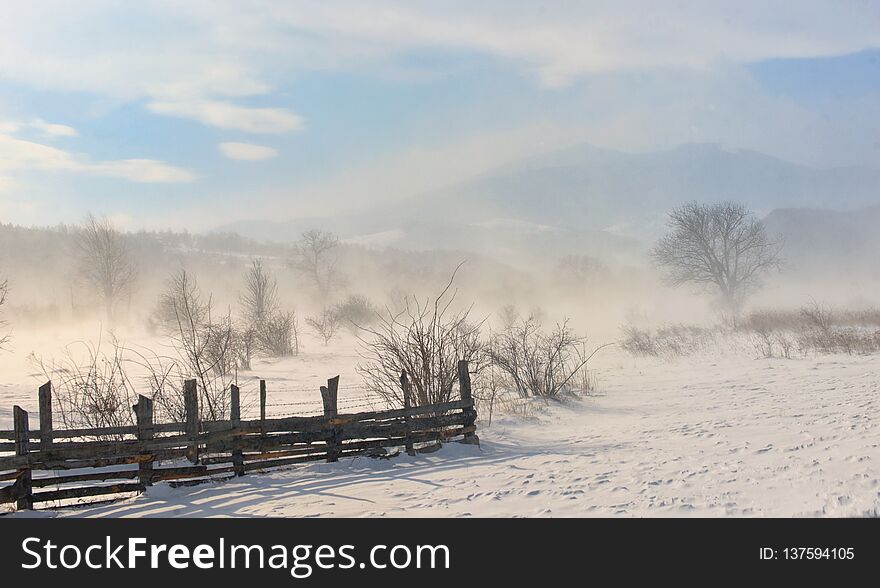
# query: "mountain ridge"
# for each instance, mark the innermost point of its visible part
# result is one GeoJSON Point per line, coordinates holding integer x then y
{"type": "Point", "coordinates": [590, 197]}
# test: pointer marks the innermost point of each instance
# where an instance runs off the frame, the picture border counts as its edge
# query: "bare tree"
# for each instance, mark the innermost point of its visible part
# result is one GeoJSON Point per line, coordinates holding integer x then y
{"type": "Point", "coordinates": [104, 261]}
{"type": "Point", "coordinates": [720, 245]}
{"type": "Point", "coordinates": [316, 255]}
{"type": "Point", "coordinates": [181, 299]}
{"type": "Point", "coordinates": [260, 298]}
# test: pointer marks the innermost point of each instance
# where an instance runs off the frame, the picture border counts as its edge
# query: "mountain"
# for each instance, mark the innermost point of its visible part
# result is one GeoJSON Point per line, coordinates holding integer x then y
{"type": "Point", "coordinates": [585, 199]}
{"type": "Point", "coordinates": [586, 188]}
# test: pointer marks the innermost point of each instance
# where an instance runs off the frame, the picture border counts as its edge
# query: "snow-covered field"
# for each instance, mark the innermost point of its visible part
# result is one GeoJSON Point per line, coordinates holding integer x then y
{"type": "Point", "coordinates": [719, 434]}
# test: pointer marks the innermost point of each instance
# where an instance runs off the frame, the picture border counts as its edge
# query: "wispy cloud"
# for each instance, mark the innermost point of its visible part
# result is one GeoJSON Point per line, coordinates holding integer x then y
{"type": "Point", "coordinates": [221, 49]}
{"type": "Point", "coordinates": [44, 128]}
{"type": "Point", "coordinates": [247, 151]}
{"type": "Point", "coordinates": [53, 129]}
{"type": "Point", "coordinates": [18, 155]}
{"type": "Point", "coordinates": [225, 115]}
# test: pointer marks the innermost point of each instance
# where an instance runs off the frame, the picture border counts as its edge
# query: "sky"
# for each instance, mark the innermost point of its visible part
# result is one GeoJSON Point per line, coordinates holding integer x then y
{"type": "Point", "coordinates": [194, 114]}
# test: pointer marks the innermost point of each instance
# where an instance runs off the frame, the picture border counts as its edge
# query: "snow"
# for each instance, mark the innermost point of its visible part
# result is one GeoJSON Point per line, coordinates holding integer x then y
{"type": "Point", "coordinates": [714, 434]}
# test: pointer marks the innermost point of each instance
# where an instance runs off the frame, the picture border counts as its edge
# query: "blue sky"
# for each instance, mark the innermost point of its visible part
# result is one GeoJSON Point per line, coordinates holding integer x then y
{"type": "Point", "coordinates": [165, 114]}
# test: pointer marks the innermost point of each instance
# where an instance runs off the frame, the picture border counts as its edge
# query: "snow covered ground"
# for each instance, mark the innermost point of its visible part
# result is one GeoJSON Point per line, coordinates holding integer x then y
{"type": "Point", "coordinates": [720, 434]}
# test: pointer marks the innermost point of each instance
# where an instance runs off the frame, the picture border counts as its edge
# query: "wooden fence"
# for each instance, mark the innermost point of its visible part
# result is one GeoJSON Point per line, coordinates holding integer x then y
{"type": "Point", "coordinates": [78, 463]}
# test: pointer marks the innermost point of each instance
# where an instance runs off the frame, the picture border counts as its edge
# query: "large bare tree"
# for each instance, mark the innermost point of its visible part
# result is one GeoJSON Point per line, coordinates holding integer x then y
{"type": "Point", "coordinates": [104, 261]}
{"type": "Point", "coordinates": [720, 245]}
{"type": "Point", "coordinates": [316, 255]}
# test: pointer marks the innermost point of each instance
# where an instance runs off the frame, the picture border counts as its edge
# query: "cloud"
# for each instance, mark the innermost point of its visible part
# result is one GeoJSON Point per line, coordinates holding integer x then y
{"type": "Point", "coordinates": [147, 171]}
{"type": "Point", "coordinates": [54, 130]}
{"type": "Point", "coordinates": [18, 155]}
{"type": "Point", "coordinates": [45, 129]}
{"type": "Point", "coordinates": [216, 50]}
{"type": "Point", "coordinates": [229, 116]}
{"type": "Point", "coordinates": [626, 111]}
{"type": "Point", "coordinates": [247, 151]}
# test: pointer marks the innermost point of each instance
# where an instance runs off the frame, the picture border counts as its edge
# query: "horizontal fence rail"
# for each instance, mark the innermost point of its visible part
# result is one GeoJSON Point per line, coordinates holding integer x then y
{"type": "Point", "coordinates": [51, 465]}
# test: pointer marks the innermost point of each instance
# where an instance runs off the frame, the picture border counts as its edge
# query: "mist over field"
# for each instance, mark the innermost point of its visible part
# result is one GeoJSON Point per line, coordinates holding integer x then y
{"type": "Point", "coordinates": [656, 248]}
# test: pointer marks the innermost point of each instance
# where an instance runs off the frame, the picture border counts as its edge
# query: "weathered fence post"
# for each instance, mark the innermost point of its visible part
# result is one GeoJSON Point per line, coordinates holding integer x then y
{"type": "Point", "coordinates": [464, 384]}
{"type": "Point", "coordinates": [329, 396]}
{"type": "Point", "coordinates": [45, 398]}
{"type": "Point", "coordinates": [24, 491]}
{"type": "Point", "coordinates": [262, 407]}
{"type": "Point", "coordinates": [191, 403]}
{"type": "Point", "coordinates": [143, 411]}
{"type": "Point", "coordinates": [235, 421]}
{"type": "Point", "coordinates": [407, 404]}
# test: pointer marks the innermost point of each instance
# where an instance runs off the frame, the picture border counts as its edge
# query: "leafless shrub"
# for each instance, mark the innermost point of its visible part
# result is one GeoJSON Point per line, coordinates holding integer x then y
{"type": "Point", "coordinates": [517, 406]}
{"type": "Point", "coordinates": [763, 341]}
{"type": "Point", "coordinates": [245, 347]}
{"type": "Point", "coordinates": [847, 340]}
{"type": "Point", "coordinates": [639, 342]}
{"type": "Point", "coordinates": [867, 317]}
{"type": "Point", "coordinates": [426, 340]}
{"type": "Point", "coordinates": [774, 343]}
{"type": "Point", "coordinates": [325, 325]}
{"type": "Point", "coordinates": [537, 363]}
{"type": "Point", "coordinates": [585, 381]}
{"type": "Point", "coordinates": [786, 344]}
{"type": "Point", "coordinates": [668, 340]}
{"type": "Point", "coordinates": [356, 312]}
{"type": "Point", "coordinates": [221, 346]}
{"type": "Point", "coordinates": [811, 316]}
{"type": "Point", "coordinates": [817, 316]}
{"type": "Point", "coordinates": [279, 335]}
{"type": "Point", "coordinates": [187, 360]}
{"type": "Point", "coordinates": [772, 320]}
{"type": "Point", "coordinates": [815, 328]}
{"type": "Point", "coordinates": [91, 387]}
{"type": "Point", "coordinates": [487, 391]}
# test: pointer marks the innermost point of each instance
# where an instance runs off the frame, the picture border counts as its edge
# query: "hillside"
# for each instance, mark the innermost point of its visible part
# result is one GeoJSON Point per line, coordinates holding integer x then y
{"type": "Point", "coordinates": [586, 199]}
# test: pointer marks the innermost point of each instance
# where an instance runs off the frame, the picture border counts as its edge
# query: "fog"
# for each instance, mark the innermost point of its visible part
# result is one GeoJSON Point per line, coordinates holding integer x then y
{"type": "Point", "coordinates": [597, 288]}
